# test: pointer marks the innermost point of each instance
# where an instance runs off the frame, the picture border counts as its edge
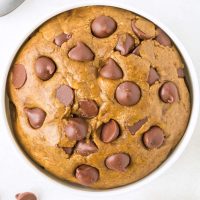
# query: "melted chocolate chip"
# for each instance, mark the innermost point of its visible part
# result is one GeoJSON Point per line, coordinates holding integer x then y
{"type": "Point", "coordinates": [163, 38]}
{"type": "Point", "coordinates": [135, 127]}
{"type": "Point", "coordinates": [110, 131]}
{"type": "Point", "coordinates": [111, 70]}
{"type": "Point", "coordinates": [103, 26]}
{"type": "Point", "coordinates": [76, 129]}
{"type": "Point", "coordinates": [138, 32]}
{"type": "Point", "coordinates": [88, 108]}
{"type": "Point", "coordinates": [86, 174]}
{"type": "Point", "coordinates": [136, 51]}
{"type": "Point", "coordinates": [60, 39]}
{"type": "Point", "coordinates": [44, 68]}
{"type": "Point", "coordinates": [68, 150]}
{"type": "Point", "coordinates": [65, 95]}
{"type": "Point", "coordinates": [128, 93]}
{"type": "Point", "coordinates": [125, 44]}
{"type": "Point", "coordinates": [180, 73]}
{"type": "Point", "coordinates": [83, 148]}
{"type": "Point", "coordinates": [26, 196]}
{"type": "Point", "coordinates": [81, 52]}
{"type": "Point", "coordinates": [169, 92]}
{"type": "Point", "coordinates": [36, 117]}
{"type": "Point", "coordinates": [153, 138]}
{"type": "Point", "coordinates": [153, 76]}
{"type": "Point", "coordinates": [118, 161]}
{"type": "Point", "coordinates": [18, 75]}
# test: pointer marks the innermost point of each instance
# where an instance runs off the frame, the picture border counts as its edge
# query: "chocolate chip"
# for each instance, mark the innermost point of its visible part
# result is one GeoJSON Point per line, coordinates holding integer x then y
{"type": "Point", "coordinates": [60, 39]}
{"type": "Point", "coordinates": [153, 138]}
{"type": "Point", "coordinates": [26, 196]}
{"type": "Point", "coordinates": [36, 117]}
{"type": "Point", "coordinates": [88, 108]}
{"type": "Point", "coordinates": [83, 148]}
{"type": "Point", "coordinates": [162, 38]}
{"type": "Point", "coordinates": [169, 92]}
{"type": "Point", "coordinates": [180, 73]}
{"type": "Point", "coordinates": [111, 70]}
{"type": "Point", "coordinates": [65, 95]}
{"type": "Point", "coordinates": [18, 75]}
{"type": "Point", "coordinates": [76, 129]}
{"type": "Point", "coordinates": [44, 68]}
{"type": "Point", "coordinates": [68, 150]}
{"type": "Point", "coordinates": [103, 26]}
{"type": "Point", "coordinates": [128, 93]}
{"type": "Point", "coordinates": [87, 174]}
{"type": "Point", "coordinates": [153, 76]}
{"type": "Point", "coordinates": [138, 32]}
{"type": "Point", "coordinates": [135, 127]}
{"type": "Point", "coordinates": [136, 51]}
{"type": "Point", "coordinates": [110, 131]}
{"type": "Point", "coordinates": [125, 44]}
{"type": "Point", "coordinates": [81, 52]}
{"type": "Point", "coordinates": [118, 162]}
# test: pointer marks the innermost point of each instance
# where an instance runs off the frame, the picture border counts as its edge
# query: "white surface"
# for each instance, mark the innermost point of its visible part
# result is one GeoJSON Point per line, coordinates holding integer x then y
{"type": "Point", "coordinates": [182, 181]}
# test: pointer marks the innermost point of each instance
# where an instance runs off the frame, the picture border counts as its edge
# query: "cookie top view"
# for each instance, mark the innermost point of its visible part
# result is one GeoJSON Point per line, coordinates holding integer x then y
{"type": "Point", "coordinates": [98, 96]}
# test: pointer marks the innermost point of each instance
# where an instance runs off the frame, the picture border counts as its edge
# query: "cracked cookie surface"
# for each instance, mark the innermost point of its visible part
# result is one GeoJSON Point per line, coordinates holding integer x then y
{"type": "Point", "coordinates": [102, 101]}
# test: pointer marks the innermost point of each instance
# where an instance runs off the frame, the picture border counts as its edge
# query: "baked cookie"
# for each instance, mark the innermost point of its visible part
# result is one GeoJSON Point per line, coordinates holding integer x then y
{"type": "Point", "coordinates": [100, 97]}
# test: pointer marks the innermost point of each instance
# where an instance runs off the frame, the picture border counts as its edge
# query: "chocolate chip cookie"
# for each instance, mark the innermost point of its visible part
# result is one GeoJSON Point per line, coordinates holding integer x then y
{"type": "Point", "coordinates": [99, 96]}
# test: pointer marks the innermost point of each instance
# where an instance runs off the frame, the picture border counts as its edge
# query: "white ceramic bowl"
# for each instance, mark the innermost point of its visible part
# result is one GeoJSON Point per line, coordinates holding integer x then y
{"type": "Point", "coordinates": [191, 80]}
{"type": "Point", "coordinates": [7, 6]}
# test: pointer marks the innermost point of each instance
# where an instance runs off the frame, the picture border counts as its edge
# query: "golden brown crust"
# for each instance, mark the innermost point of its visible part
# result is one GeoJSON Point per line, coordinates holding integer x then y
{"type": "Point", "coordinates": [43, 144]}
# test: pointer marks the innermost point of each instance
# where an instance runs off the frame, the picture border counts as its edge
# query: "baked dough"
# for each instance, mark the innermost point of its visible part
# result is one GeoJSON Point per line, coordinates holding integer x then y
{"type": "Point", "coordinates": [46, 141]}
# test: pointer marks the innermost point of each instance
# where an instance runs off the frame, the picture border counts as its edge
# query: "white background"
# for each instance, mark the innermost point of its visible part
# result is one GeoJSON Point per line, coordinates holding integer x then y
{"type": "Point", "coordinates": [181, 181]}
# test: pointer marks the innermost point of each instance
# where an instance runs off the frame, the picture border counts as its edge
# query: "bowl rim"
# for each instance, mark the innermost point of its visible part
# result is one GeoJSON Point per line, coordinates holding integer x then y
{"type": "Point", "coordinates": [180, 146]}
